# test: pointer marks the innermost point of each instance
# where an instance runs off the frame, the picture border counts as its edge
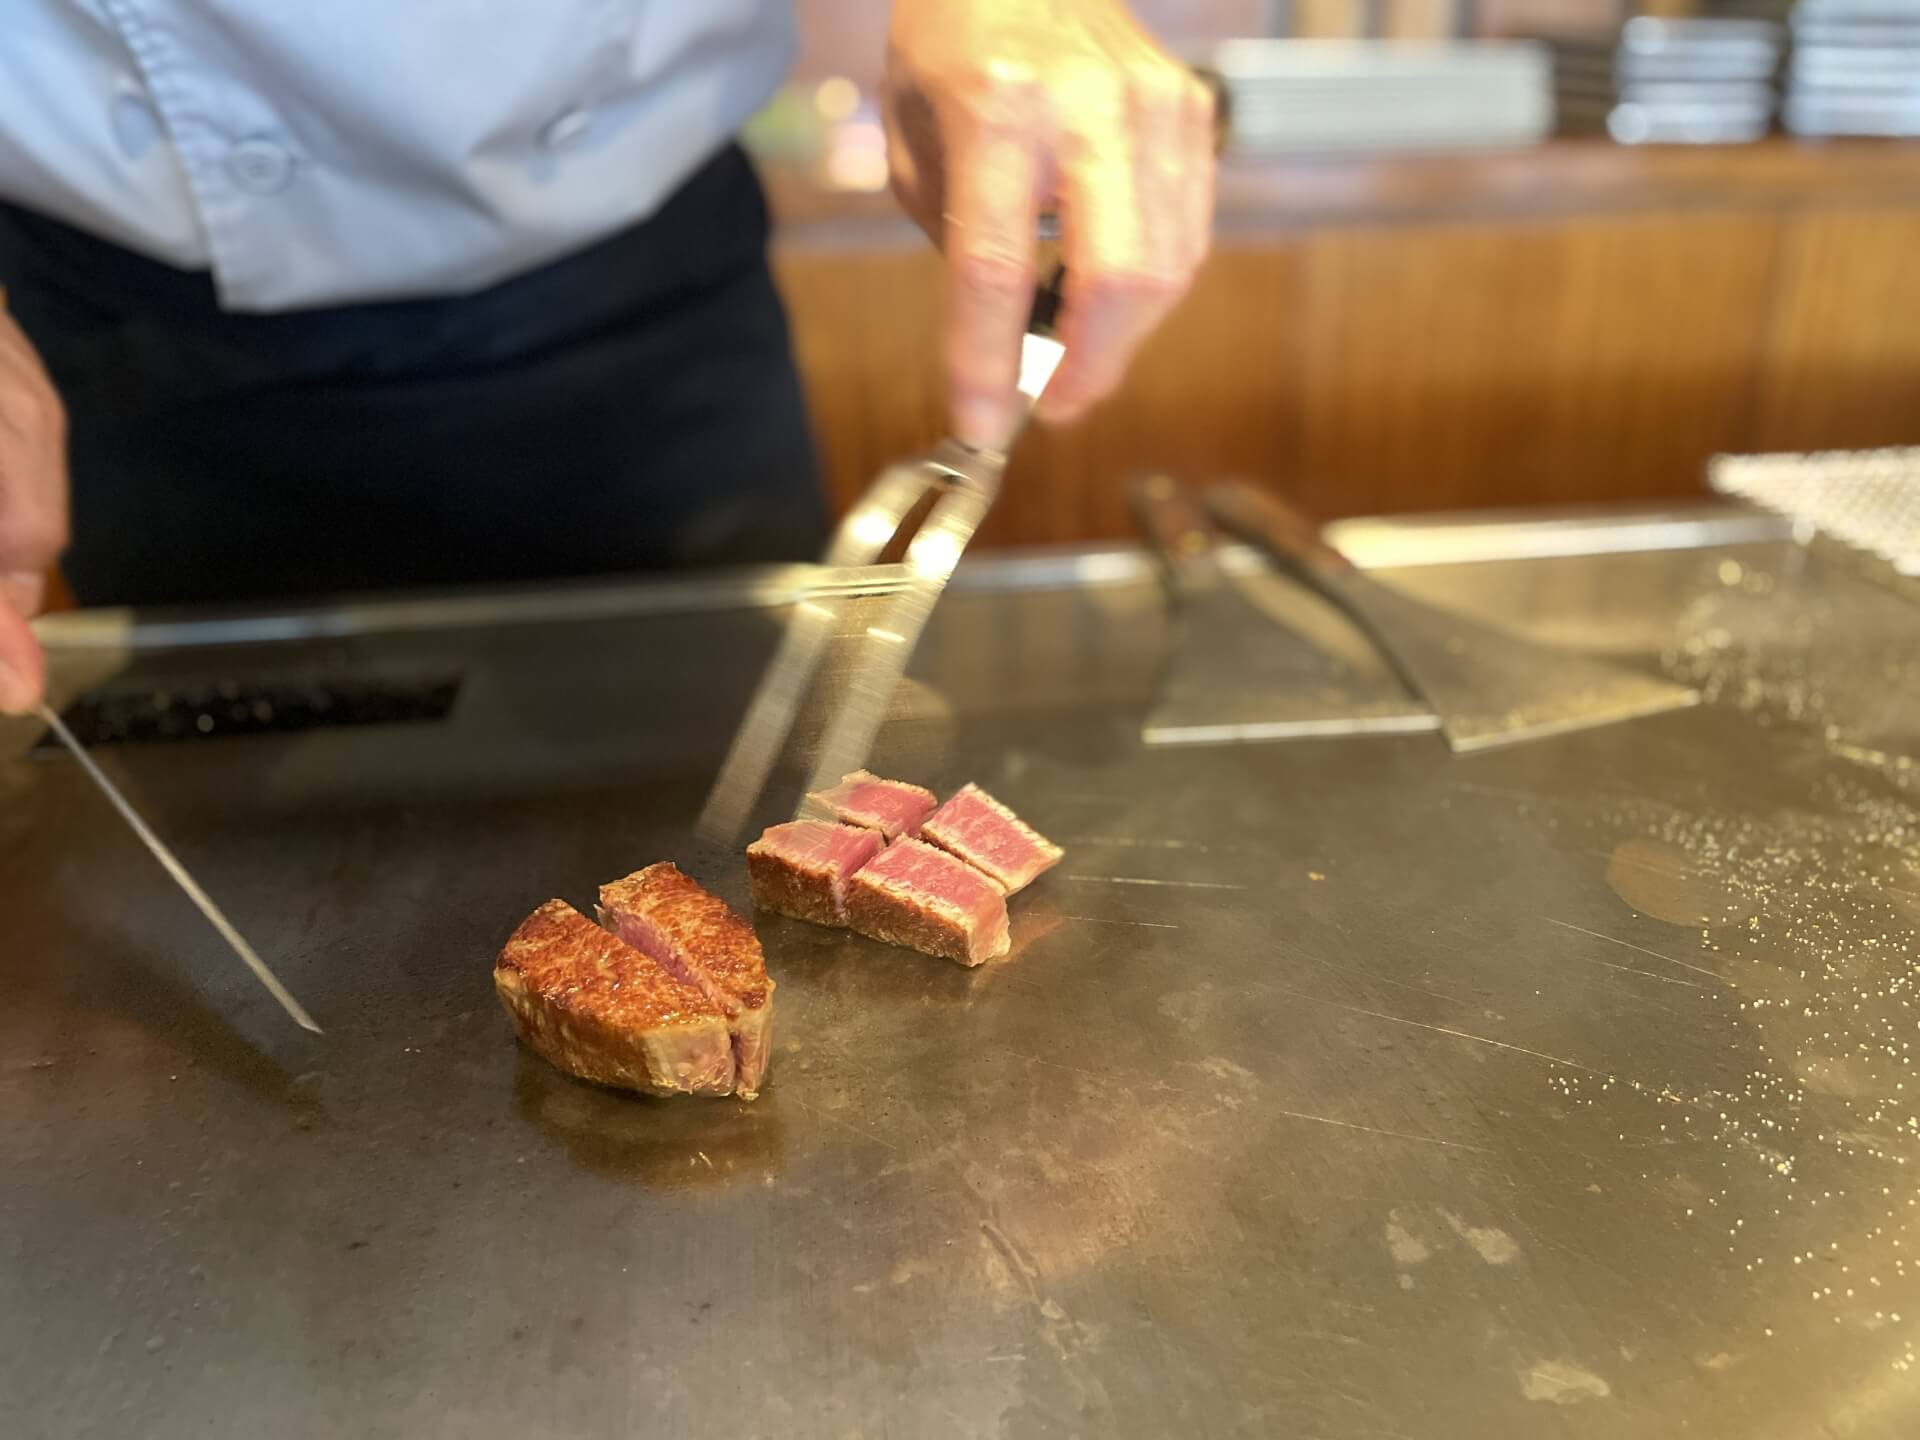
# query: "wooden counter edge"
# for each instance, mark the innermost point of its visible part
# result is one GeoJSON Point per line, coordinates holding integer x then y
{"type": "Point", "coordinates": [1262, 194]}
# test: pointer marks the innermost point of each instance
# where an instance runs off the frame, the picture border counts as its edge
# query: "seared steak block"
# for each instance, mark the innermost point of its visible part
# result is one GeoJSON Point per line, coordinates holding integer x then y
{"type": "Point", "coordinates": [697, 939]}
{"type": "Point", "coordinates": [892, 807]}
{"type": "Point", "coordinates": [991, 838]}
{"type": "Point", "coordinates": [802, 868]}
{"type": "Point", "coordinates": [912, 894]}
{"type": "Point", "coordinates": [597, 1008]}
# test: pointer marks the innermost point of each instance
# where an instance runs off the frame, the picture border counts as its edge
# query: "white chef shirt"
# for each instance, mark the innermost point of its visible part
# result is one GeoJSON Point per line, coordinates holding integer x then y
{"type": "Point", "coordinates": [310, 152]}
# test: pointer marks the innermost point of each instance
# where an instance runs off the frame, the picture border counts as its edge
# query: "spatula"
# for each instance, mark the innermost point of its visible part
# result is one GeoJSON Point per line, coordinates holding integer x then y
{"type": "Point", "coordinates": [1490, 688]}
{"type": "Point", "coordinates": [1232, 673]}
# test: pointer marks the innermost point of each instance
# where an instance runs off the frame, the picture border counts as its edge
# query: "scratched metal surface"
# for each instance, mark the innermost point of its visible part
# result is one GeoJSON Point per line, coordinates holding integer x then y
{"type": "Point", "coordinates": [1338, 1089]}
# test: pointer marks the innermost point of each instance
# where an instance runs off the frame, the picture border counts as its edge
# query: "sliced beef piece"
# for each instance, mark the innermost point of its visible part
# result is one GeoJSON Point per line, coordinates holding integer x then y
{"type": "Point", "coordinates": [892, 807]}
{"type": "Point", "coordinates": [699, 940]}
{"type": "Point", "coordinates": [991, 838]}
{"type": "Point", "coordinates": [912, 894]}
{"type": "Point", "coordinates": [802, 868]}
{"type": "Point", "coordinates": [596, 1007]}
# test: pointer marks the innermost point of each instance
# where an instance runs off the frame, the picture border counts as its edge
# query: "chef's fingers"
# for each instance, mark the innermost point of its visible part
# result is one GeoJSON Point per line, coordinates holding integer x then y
{"type": "Point", "coordinates": [33, 510]}
{"type": "Point", "coordinates": [1200, 172]}
{"type": "Point", "coordinates": [992, 204]}
{"type": "Point", "coordinates": [23, 668]}
{"type": "Point", "coordinates": [26, 591]}
{"type": "Point", "coordinates": [1167, 125]}
{"type": "Point", "coordinates": [31, 533]}
{"type": "Point", "coordinates": [914, 170]}
{"type": "Point", "coordinates": [33, 457]}
{"type": "Point", "coordinates": [1126, 265]}
{"type": "Point", "coordinates": [33, 476]}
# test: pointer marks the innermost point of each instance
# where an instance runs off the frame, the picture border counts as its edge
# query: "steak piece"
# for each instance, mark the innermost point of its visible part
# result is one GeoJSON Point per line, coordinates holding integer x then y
{"type": "Point", "coordinates": [991, 838]}
{"type": "Point", "coordinates": [697, 939]}
{"type": "Point", "coordinates": [914, 895]}
{"type": "Point", "coordinates": [892, 807]}
{"type": "Point", "coordinates": [595, 1007]}
{"type": "Point", "coordinates": [801, 868]}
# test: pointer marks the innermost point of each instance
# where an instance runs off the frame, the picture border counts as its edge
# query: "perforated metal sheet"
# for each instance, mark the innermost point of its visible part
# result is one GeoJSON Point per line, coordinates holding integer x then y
{"type": "Point", "coordinates": [1869, 499]}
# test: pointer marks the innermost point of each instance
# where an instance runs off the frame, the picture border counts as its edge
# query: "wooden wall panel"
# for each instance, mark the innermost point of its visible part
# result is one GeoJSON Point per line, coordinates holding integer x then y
{"type": "Point", "coordinates": [1529, 362]}
{"type": "Point", "coordinates": [1841, 359]}
{"type": "Point", "coordinates": [841, 37]}
{"type": "Point", "coordinates": [1538, 17]}
{"type": "Point", "coordinates": [1577, 324]}
{"type": "Point", "coordinates": [866, 328]}
{"type": "Point", "coordinates": [849, 37]}
{"type": "Point", "coordinates": [1214, 392]}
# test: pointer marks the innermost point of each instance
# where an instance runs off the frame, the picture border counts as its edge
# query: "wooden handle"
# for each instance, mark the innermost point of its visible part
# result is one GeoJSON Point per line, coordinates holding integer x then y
{"type": "Point", "coordinates": [1222, 93]}
{"type": "Point", "coordinates": [1045, 313]}
{"type": "Point", "coordinates": [1173, 521]}
{"type": "Point", "coordinates": [1264, 519]}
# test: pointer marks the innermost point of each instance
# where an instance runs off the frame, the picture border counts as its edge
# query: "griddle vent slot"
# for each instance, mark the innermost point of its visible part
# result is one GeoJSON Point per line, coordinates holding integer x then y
{"type": "Point", "coordinates": [205, 710]}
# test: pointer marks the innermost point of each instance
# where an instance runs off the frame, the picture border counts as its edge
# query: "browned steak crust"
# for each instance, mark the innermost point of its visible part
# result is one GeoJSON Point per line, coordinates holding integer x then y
{"type": "Point", "coordinates": [698, 938]}
{"type": "Point", "coordinates": [597, 1008]}
{"type": "Point", "coordinates": [786, 890]}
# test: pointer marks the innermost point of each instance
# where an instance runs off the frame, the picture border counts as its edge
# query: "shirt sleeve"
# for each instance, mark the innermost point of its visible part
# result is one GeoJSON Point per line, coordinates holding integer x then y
{"type": "Point", "coordinates": [362, 149]}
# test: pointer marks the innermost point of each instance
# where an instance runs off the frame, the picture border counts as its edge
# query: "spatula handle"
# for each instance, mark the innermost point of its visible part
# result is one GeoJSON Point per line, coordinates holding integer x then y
{"type": "Point", "coordinates": [1174, 523]}
{"type": "Point", "coordinates": [1264, 519]}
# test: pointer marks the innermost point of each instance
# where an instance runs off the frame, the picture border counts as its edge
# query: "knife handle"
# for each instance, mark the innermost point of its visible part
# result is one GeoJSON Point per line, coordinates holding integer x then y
{"type": "Point", "coordinates": [1174, 524]}
{"type": "Point", "coordinates": [1264, 519]}
{"type": "Point", "coordinates": [1046, 303]}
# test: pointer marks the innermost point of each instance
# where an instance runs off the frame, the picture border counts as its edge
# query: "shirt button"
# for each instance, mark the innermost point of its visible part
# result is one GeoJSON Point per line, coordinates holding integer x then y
{"type": "Point", "coordinates": [259, 167]}
{"type": "Point", "coordinates": [565, 128]}
{"type": "Point", "coordinates": [135, 125]}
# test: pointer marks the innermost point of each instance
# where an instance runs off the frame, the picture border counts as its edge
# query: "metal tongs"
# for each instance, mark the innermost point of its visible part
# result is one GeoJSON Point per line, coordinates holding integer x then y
{"type": "Point", "coordinates": [964, 482]}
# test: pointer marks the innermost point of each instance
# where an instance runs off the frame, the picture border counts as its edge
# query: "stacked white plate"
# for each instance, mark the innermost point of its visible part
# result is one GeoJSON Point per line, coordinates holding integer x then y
{"type": "Point", "coordinates": [1308, 95]}
{"type": "Point", "coordinates": [1855, 68]}
{"type": "Point", "coordinates": [1670, 81]}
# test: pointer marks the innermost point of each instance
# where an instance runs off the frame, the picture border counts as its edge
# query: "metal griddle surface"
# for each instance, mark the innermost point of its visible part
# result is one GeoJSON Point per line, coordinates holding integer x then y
{"type": "Point", "coordinates": [1340, 1088]}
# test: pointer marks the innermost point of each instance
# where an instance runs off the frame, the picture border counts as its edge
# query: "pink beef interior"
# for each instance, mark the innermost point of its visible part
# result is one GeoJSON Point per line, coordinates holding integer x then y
{"type": "Point", "coordinates": [820, 845]}
{"type": "Point", "coordinates": [935, 875]}
{"type": "Point", "coordinates": [892, 807]}
{"type": "Point", "coordinates": [987, 835]}
{"type": "Point", "coordinates": [650, 940]}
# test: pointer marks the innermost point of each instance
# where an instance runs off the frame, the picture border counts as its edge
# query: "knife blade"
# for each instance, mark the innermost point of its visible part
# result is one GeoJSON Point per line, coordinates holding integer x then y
{"type": "Point", "coordinates": [179, 872]}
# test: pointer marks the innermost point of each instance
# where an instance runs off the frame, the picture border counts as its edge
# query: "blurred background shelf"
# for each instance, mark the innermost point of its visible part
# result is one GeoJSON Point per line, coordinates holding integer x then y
{"type": "Point", "coordinates": [1571, 176]}
{"type": "Point", "coordinates": [1578, 322]}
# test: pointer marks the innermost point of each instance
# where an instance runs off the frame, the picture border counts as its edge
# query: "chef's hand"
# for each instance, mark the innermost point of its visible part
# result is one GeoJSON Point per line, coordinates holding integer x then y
{"type": "Point", "coordinates": [33, 509]}
{"type": "Point", "coordinates": [996, 109]}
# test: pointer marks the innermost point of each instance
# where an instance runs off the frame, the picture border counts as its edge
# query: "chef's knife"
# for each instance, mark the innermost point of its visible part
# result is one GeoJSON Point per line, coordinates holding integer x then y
{"type": "Point", "coordinates": [179, 872]}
